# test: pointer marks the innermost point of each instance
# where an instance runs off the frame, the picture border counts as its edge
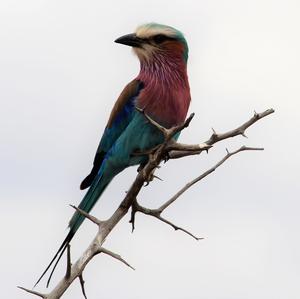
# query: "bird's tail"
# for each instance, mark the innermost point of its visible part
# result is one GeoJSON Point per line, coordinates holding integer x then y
{"type": "Point", "coordinates": [87, 203]}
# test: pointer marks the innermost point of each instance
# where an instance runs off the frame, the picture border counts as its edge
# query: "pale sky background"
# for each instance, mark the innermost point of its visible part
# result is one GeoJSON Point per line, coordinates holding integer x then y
{"type": "Point", "coordinates": [60, 73]}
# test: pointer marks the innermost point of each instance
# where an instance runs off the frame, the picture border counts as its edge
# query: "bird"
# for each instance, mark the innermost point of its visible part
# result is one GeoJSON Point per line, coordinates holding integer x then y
{"type": "Point", "coordinates": [161, 91]}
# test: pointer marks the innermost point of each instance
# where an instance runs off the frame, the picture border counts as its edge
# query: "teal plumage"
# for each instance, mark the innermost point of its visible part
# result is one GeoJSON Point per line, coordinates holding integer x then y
{"type": "Point", "coordinates": [161, 90]}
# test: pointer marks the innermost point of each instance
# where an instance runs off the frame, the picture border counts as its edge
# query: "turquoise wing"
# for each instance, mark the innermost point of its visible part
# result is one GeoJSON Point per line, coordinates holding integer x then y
{"type": "Point", "coordinates": [119, 119]}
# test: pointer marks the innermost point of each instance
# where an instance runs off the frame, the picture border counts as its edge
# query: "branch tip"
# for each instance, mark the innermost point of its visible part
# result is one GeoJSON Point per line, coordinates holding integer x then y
{"type": "Point", "coordinates": [243, 134]}
{"type": "Point", "coordinates": [82, 282]}
{"type": "Point", "coordinates": [115, 256]}
{"type": "Point", "coordinates": [33, 292]}
{"type": "Point", "coordinates": [157, 177]}
{"type": "Point", "coordinates": [87, 215]}
{"type": "Point", "coordinates": [188, 120]}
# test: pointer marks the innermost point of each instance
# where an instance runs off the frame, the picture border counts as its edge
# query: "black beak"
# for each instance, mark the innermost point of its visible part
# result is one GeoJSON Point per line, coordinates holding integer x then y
{"type": "Point", "coordinates": [130, 40]}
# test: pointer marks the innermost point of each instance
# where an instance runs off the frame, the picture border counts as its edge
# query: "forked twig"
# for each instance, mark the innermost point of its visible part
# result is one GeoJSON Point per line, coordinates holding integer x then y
{"type": "Point", "coordinates": [136, 207]}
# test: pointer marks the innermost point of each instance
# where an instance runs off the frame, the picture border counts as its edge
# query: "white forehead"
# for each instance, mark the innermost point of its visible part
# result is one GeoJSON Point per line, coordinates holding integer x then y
{"type": "Point", "coordinates": [148, 30]}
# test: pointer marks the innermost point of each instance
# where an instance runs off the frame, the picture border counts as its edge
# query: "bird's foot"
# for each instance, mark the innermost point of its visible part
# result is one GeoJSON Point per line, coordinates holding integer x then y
{"type": "Point", "coordinates": [167, 157]}
{"type": "Point", "coordinates": [141, 167]}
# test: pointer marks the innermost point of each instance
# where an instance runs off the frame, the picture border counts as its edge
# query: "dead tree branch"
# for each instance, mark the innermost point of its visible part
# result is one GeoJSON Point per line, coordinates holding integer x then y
{"type": "Point", "coordinates": [82, 282]}
{"type": "Point", "coordinates": [33, 292]}
{"type": "Point", "coordinates": [240, 130]}
{"type": "Point", "coordinates": [168, 148]}
{"type": "Point", "coordinates": [181, 150]}
{"type": "Point", "coordinates": [136, 207]}
{"type": "Point", "coordinates": [115, 256]}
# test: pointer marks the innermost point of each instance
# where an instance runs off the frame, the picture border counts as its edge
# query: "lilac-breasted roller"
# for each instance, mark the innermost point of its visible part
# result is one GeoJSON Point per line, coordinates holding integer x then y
{"type": "Point", "coordinates": [161, 90]}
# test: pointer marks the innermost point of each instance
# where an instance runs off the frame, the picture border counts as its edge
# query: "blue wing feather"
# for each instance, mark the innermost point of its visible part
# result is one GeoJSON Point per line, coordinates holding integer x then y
{"type": "Point", "coordinates": [120, 117]}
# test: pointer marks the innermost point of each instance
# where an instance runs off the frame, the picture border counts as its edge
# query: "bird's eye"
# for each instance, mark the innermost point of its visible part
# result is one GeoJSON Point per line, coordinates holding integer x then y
{"type": "Point", "coordinates": [160, 38]}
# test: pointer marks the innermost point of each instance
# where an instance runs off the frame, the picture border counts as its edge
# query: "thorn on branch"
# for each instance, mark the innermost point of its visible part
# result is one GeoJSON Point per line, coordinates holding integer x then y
{"type": "Point", "coordinates": [82, 282]}
{"type": "Point", "coordinates": [178, 150]}
{"type": "Point", "coordinates": [88, 216]}
{"type": "Point", "coordinates": [151, 176]}
{"type": "Point", "coordinates": [33, 292]}
{"type": "Point", "coordinates": [240, 130]}
{"type": "Point", "coordinates": [243, 134]}
{"type": "Point", "coordinates": [157, 177]}
{"type": "Point", "coordinates": [168, 133]}
{"type": "Point", "coordinates": [188, 120]}
{"type": "Point", "coordinates": [115, 256]}
{"type": "Point", "coordinates": [177, 227]}
{"type": "Point", "coordinates": [154, 123]}
{"type": "Point", "coordinates": [214, 135]}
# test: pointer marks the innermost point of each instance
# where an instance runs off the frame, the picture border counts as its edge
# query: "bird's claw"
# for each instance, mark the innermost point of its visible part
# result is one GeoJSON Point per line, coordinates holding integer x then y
{"type": "Point", "coordinates": [167, 157]}
{"type": "Point", "coordinates": [140, 168]}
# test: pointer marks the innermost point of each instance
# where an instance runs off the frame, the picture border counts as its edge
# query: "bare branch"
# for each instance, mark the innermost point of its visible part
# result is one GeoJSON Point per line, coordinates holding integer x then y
{"type": "Point", "coordinates": [115, 256]}
{"type": "Point", "coordinates": [168, 133]}
{"type": "Point", "coordinates": [203, 175]}
{"type": "Point", "coordinates": [176, 146]}
{"type": "Point", "coordinates": [88, 216]}
{"type": "Point", "coordinates": [240, 130]}
{"type": "Point", "coordinates": [33, 292]}
{"type": "Point", "coordinates": [136, 207]}
{"type": "Point", "coordinates": [82, 282]}
{"type": "Point", "coordinates": [178, 227]}
{"type": "Point", "coordinates": [178, 151]}
{"type": "Point", "coordinates": [156, 213]}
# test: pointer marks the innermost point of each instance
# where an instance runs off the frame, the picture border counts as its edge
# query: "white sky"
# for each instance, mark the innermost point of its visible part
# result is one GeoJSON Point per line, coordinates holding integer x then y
{"type": "Point", "coordinates": [60, 73]}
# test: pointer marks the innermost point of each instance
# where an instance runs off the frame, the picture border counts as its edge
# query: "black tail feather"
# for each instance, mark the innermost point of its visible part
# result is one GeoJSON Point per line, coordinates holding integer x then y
{"type": "Point", "coordinates": [55, 265]}
{"type": "Point", "coordinates": [87, 203]}
{"type": "Point", "coordinates": [58, 254]}
{"type": "Point", "coordinates": [97, 164]}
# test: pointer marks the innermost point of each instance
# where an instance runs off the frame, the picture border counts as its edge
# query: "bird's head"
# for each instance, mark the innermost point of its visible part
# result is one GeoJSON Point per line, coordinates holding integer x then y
{"type": "Point", "coordinates": [151, 40]}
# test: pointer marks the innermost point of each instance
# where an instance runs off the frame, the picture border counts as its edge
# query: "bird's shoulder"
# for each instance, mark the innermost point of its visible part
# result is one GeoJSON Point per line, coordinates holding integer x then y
{"type": "Point", "coordinates": [125, 101]}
